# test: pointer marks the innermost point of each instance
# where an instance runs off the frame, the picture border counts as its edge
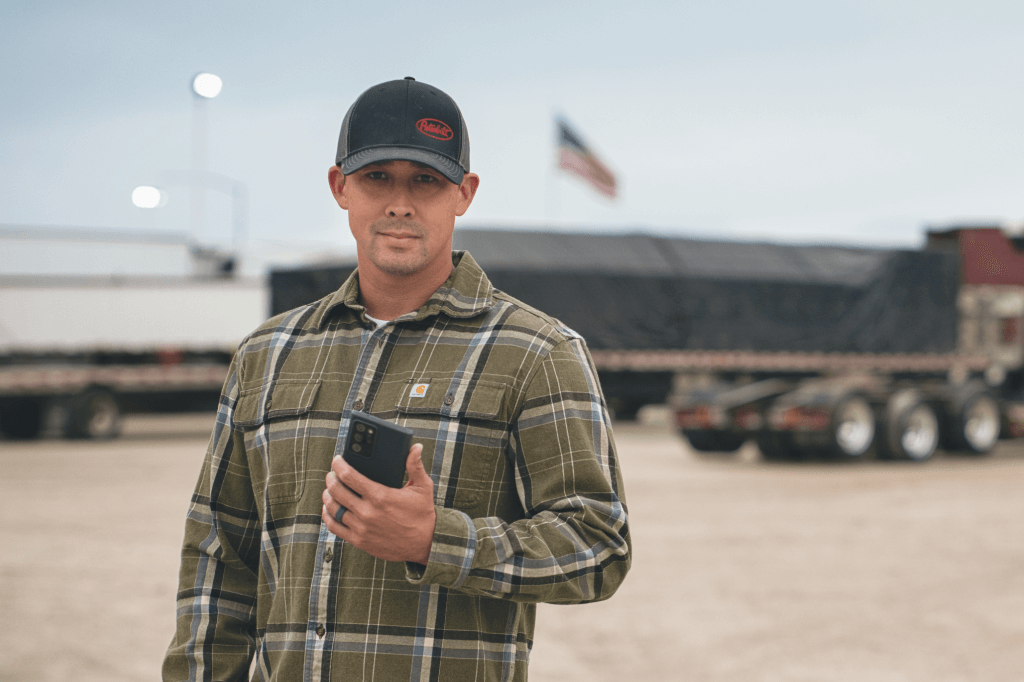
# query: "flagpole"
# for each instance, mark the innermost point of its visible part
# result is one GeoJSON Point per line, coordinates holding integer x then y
{"type": "Point", "coordinates": [552, 194]}
{"type": "Point", "coordinates": [551, 189]}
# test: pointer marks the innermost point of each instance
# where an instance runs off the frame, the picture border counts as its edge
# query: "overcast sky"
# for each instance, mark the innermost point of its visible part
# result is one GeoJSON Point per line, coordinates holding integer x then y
{"type": "Point", "coordinates": [840, 121]}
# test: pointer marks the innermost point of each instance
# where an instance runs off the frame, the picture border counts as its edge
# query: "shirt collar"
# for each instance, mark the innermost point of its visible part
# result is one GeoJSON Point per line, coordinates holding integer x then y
{"type": "Point", "coordinates": [466, 293]}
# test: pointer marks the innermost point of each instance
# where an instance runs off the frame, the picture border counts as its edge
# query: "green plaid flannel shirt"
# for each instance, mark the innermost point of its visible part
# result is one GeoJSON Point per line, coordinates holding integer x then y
{"type": "Point", "coordinates": [529, 494]}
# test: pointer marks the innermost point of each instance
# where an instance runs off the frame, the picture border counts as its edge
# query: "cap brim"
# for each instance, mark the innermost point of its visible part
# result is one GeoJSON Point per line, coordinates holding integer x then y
{"type": "Point", "coordinates": [442, 164]}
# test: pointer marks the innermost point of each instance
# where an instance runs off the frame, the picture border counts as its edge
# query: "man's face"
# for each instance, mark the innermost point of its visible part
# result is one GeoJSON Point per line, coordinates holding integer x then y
{"type": "Point", "coordinates": [402, 215]}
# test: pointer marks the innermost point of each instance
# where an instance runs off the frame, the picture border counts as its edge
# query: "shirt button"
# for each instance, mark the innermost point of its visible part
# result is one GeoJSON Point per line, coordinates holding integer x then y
{"type": "Point", "coordinates": [449, 399]}
{"type": "Point", "coordinates": [329, 555]}
{"type": "Point", "coordinates": [358, 405]}
{"type": "Point", "coordinates": [270, 401]}
{"type": "Point", "coordinates": [320, 631]}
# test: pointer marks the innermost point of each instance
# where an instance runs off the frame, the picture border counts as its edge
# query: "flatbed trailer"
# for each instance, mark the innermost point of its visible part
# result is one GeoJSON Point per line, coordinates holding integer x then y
{"type": "Point", "coordinates": [748, 361]}
{"type": "Point", "coordinates": [809, 350]}
{"type": "Point", "coordinates": [82, 400]}
{"type": "Point", "coordinates": [838, 405]}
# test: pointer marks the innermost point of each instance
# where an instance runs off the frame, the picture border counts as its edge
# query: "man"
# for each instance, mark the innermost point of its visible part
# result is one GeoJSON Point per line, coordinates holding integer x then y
{"type": "Point", "coordinates": [514, 494]}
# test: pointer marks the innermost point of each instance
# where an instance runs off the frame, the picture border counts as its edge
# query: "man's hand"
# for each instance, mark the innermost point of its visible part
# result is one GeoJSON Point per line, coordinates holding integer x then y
{"type": "Point", "coordinates": [389, 523]}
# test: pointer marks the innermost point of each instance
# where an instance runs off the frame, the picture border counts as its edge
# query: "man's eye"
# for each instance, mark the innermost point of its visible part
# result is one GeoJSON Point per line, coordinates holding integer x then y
{"type": "Point", "coordinates": [426, 178]}
{"type": "Point", "coordinates": [376, 175]}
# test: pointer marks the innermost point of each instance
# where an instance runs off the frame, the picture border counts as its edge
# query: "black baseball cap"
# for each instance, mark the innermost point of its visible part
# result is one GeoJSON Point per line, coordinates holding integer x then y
{"type": "Point", "coordinates": [405, 120]}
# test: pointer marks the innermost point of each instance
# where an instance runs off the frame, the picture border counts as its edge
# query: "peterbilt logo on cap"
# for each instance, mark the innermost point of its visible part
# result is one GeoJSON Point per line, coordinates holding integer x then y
{"type": "Point", "coordinates": [431, 127]}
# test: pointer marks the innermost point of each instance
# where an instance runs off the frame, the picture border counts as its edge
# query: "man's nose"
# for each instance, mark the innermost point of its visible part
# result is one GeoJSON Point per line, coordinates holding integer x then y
{"type": "Point", "coordinates": [399, 206]}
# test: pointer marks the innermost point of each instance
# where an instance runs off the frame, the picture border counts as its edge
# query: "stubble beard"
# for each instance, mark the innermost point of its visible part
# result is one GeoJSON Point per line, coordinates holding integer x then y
{"type": "Point", "coordinates": [398, 262]}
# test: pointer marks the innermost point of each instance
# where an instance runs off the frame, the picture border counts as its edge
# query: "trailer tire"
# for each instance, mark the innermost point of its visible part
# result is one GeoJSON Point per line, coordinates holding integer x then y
{"type": "Point", "coordinates": [624, 410]}
{"type": "Point", "coordinates": [911, 429]}
{"type": "Point", "coordinates": [852, 429]}
{"type": "Point", "coordinates": [94, 414]}
{"type": "Point", "coordinates": [714, 441]}
{"type": "Point", "coordinates": [778, 447]}
{"type": "Point", "coordinates": [973, 422]}
{"type": "Point", "coordinates": [21, 420]}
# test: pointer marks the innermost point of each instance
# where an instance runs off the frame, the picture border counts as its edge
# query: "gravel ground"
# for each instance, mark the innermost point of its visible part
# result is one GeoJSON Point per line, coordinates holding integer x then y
{"type": "Point", "coordinates": [743, 570]}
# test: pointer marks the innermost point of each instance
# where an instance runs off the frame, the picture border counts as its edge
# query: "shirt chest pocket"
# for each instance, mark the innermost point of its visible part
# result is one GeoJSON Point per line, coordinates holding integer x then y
{"type": "Point", "coordinates": [277, 420]}
{"type": "Point", "coordinates": [463, 426]}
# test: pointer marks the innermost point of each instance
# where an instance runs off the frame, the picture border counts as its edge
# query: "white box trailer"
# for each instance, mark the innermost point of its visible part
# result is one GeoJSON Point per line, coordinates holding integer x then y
{"type": "Point", "coordinates": [78, 348]}
{"type": "Point", "coordinates": [58, 315]}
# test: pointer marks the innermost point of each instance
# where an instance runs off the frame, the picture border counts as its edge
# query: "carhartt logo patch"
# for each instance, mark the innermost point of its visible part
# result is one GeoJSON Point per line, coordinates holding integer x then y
{"type": "Point", "coordinates": [418, 390]}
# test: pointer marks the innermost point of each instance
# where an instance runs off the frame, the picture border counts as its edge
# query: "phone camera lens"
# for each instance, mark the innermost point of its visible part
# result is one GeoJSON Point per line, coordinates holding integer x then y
{"type": "Point", "coordinates": [356, 447]}
{"type": "Point", "coordinates": [358, 438]}
{"type": "Point", "coordinates": [360, 427]}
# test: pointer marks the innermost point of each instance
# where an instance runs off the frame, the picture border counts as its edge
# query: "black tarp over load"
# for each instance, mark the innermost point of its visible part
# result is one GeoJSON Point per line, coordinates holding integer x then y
{"type": "Point", "coordinates": [645, 292]}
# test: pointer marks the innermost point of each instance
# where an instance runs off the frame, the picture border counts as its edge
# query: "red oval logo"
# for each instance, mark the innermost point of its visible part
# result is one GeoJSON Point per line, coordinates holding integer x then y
{"type": "Point", "coordinates": [431, 127]}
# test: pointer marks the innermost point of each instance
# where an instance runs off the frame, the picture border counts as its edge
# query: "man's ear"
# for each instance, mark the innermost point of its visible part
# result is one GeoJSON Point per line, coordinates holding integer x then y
{"type": "Point", "coordinates": [467, 190]}
{"type": "Point", "coordinates": [337, 181]}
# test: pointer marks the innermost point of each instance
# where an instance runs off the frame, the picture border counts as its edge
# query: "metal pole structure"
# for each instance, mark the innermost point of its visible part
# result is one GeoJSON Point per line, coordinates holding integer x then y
{"type": "Point", "coordinates": [198, 192]}
{"type": "Point", "coordinates": [239, 217]}
{"type": "Point", "coordinates": [237, 190]}
{"type": "Point", "coordinates": [551, 193]}
{"type": "Point", "coordinates": [205, 86]}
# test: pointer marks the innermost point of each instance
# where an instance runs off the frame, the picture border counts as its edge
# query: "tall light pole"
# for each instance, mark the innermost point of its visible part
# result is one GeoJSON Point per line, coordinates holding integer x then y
{"type": "Point", "coordinates": [205, 86]}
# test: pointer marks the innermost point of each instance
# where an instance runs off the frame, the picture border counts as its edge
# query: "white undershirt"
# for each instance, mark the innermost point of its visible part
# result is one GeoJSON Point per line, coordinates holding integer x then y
{"type": "Point", "coordinates": [380, 323]}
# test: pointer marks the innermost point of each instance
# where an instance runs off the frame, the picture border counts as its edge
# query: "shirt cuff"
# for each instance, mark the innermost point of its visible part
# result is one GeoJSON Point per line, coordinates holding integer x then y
{"type": "Point", "coordinates": [451, 551]}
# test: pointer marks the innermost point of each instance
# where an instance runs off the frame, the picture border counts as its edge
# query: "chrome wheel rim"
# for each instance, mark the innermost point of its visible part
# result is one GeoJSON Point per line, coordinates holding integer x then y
{"type": "Point", "coordinates": [855, 428]}
{"type": "Point", "coordinates": [921, 434]}
{"type": "Point", "coordinates": [981, 424]}
{"type": "Point", "coordinates": [102, 417]}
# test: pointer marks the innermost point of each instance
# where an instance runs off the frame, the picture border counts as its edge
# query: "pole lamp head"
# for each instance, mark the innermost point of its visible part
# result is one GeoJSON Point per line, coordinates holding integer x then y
{"type": "Point", "coordinates": [149, 197]}
{"type": "Point", "coordinates": [206, 85]}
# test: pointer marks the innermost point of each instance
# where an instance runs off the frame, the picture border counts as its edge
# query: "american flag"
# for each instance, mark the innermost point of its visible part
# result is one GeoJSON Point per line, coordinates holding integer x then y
{"type": "Point", "coordinates": [575, 157]}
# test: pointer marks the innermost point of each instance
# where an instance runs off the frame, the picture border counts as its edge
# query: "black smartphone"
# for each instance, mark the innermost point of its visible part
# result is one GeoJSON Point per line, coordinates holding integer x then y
{"type": "Point", "coordinates": [377, 449]}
